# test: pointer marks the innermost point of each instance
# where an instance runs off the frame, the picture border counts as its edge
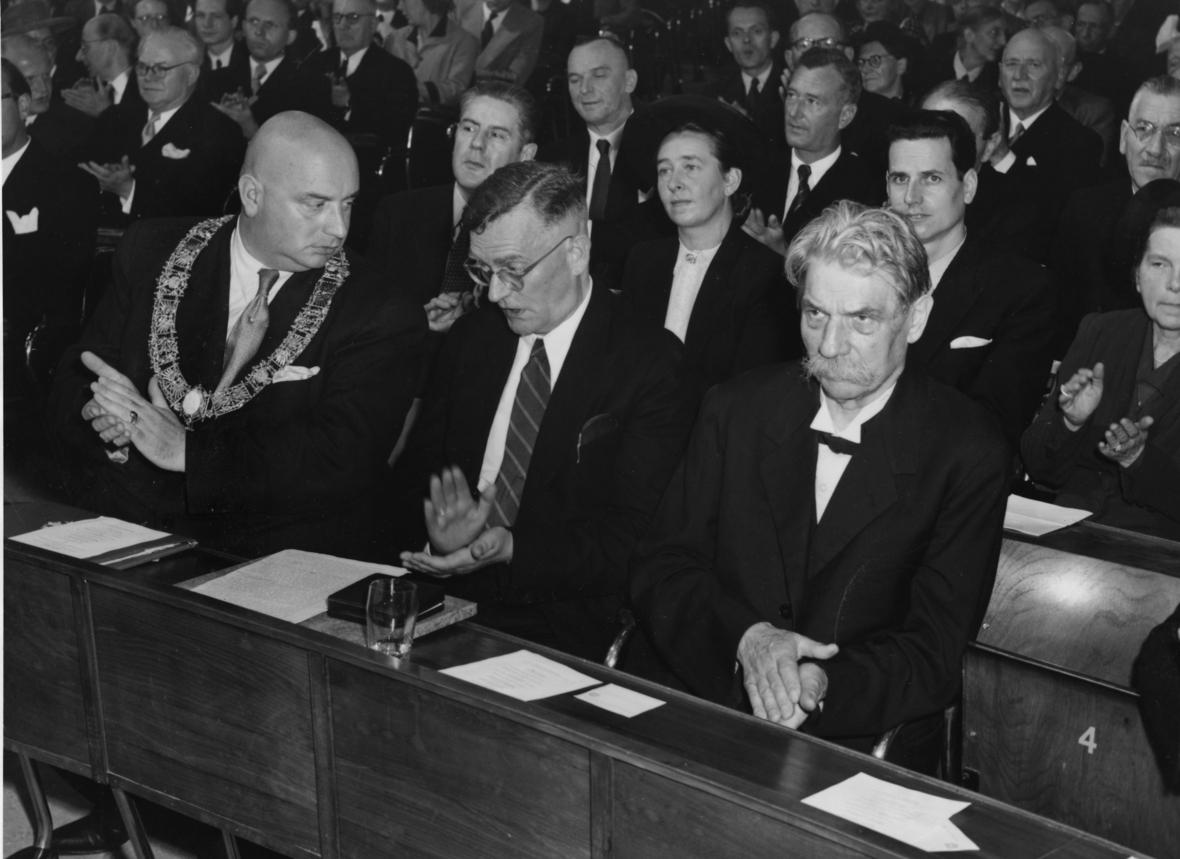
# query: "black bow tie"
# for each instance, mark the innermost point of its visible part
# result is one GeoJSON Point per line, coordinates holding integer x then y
{"type": "Point", "coordinates": [836, 444]}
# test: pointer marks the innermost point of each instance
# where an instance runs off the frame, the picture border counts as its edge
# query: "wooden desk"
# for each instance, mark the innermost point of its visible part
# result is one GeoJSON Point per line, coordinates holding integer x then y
{"type": "Point", "coordinates": [1050, 722]}
{"type": "Point", "coordinates": [315, 746]}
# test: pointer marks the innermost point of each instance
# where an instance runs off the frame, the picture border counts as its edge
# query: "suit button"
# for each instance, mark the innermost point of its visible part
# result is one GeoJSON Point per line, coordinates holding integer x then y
{"type": "Point", "coordinates": [784, 611]}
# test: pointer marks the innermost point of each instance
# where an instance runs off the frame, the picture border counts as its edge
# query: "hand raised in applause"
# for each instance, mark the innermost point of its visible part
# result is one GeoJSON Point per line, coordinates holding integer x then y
{"type": "Point", "coordinates": [444, 309]}
{"type": "Point", "coordinates": [780, 689]}
{"type": "Point", "coordinates": [340, 93]}
{"type": "Point", "coordinates": [92, 100]}
{"type": "Point", "coordinates": [1125, 440]}
{"type": "Point", "coordinates": [455, 523]}
{"type": "Point", "coordinates": [237, 107]}
{"type": "Point", "coordinates": [151, 426]}
{"type": "Point", "coordinates": [116, 178]}
{"type": "Point", "coordinates": [1079, 397]}
{"type": "Point", "coordinates": [768, 231]}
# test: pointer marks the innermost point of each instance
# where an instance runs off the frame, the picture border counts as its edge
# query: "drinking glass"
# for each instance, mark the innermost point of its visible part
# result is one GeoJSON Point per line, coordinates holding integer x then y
{"type": "Point", "coordinates": [390, 613]}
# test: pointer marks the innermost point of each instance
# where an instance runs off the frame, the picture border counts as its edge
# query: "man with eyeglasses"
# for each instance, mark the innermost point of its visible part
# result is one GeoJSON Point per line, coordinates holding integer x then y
{"type": "Point", "coordinates": [54, 124]}
{"type": "Point", "coordinates": [150, 16]}
{"type": "Point", "coordinates": [1083, 256]}
{"type": "Point", "coordinates": [271, 82]}
{"type": "Point", "coordinates": [108, 52]}
{"type": "Point", "coordinates": [176, 156]}
{"type": "Point", "coordinates": [551, 425]}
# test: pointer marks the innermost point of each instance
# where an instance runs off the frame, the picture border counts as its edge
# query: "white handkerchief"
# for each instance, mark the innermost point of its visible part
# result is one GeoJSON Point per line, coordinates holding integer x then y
{"type": "Point", "coordinates": [1031, 162]}
{"type": "Point", "coordinates": [170, 151]}
{"type": "Point", "coordinates": [291, 373]}
{"type": "Point", "coordinates": [23, 224]}
{"type": "Point", "coordinates": [617, 699]}
{"type": "Point", "coordinates": [968, 342]}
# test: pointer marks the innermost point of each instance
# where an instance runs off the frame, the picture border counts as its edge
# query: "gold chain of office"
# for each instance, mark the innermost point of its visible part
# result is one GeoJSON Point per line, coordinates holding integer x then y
{"type": "Point", "coordinates": [195, 404]}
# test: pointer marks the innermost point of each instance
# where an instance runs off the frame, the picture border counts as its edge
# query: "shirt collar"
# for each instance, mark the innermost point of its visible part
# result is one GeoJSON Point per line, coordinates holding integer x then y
{"type": "Point", "coordinates": [1027, 123]}
{"type": "Point", "coordinates": [939, 266]}
{"type": "Point", "coordinates": [823, 417]}
{"type": "Point", "coordinates": [613, 138]}
{"type": "Point", "coordinates": [163, 117]}
{"type": "Point", "coordinates": [961, 69]}
{"type": "Point", "coordinates": [119, 84]}
{"type": "Point", "coordinates": [247, 267]}
{"type": "Point", "coordinates": [458, 205]}
{"type": "Point", "coordinates": [762, 78]}
{"type": "Point", "coordinates": [224, 56]}
{"type": "Point", "coordinates": [487, 14]}
{"type": "Point", "coordinates": [355, 59]}
{"type": "Point", "coordinates": [558, 341]}
{"type": "Point", "coordinates": [700, 258]}
{"type": "Point", "coordinates": [270, 65]}
{"type": "Point", "coordinates": [818, 168]}
{"type": "Point", "coordinates": [10, 162]}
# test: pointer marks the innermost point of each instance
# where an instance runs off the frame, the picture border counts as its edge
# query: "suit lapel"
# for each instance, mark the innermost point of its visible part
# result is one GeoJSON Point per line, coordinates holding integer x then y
{"type": "Point", "coordinates": [178, 131]}
{"type": "Point", "coordinates": [503, 37]}
{"type": "Point", "coordinates": [956, 294]}
{"type": "Point", "coordinates": [203, 315]}
{"type": "Point", "coordinates": [440, 216]}
{"type": "Point", "coordinates": [473, 407]}
{"type": "Point", "coordinates": [656, 290]}
{"type": "Point", "coordinates": [822, 194]}
{"type": "Point", "coordinates": [715, 291]}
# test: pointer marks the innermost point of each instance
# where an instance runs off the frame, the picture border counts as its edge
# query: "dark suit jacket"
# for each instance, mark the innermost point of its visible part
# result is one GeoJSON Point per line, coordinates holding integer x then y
{"type": "Point", "coordinates": [196, 184]}
{"type": "Point", "coordinates": [83, 10]}
{"type": "Point", "coordinates": [744, 315]}
{"type": "Point", "coordinates": [1065, 152]}
{"type": "Point", "coordinates": [412, 235]}
{"type": "Point", "coordinates": [940, 66]}
{"type": "Point", "coordinates": [768, 108]}
{"type": "Point", "coordinates": [898, 572]}
{"type": "Point", "coordinates": [293, 468]}
{"type": "Point", "coordinates": [627, 221]}
{"type": "Point", "coordinates": [1143, 497]}
{"type": "Point", "coordinates": [850, 178]}
{"type": "Point", "coordinates": [515, 45]}
{"type": "Point", "coordinates": [46, 269]}
{"type": "Point", "coordinates": [62, 130]}
{"type": "Point", "coordinates": [1008, 214]}
{"type": "Point", "coordinates": [210, 86]}
{"type": "Point", "coordinates": [1082, 259]}
{"type": "Point", "coordinates": [284, 89]}
{"type": "Point", "coordinates": [868, 133]}
{"type": "Point", "coordinates": [382, 94]}
{"type": "Point", "coordinates": [612, 433]}
{"type": "Point", "coordinates": [1004, 299]}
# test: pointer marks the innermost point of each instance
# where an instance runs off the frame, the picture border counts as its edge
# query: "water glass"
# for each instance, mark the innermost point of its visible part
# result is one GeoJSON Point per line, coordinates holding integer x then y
{"type": "Point", "coordinates": [390, 613]}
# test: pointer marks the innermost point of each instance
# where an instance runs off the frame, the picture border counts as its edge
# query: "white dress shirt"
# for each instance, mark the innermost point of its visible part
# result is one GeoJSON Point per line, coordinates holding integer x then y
{"type": "Point", "coordinates": [762, 79]}
{"type": "Point", "coordinates": [818, 169]}
{"type": "Point", "coordinates": [119, 86]}
{"type": "Point", "coordinates": [354, 61]}
{"type": "Point", "coordinates": [219, 61]}
{"type": "Point", "coordinates": [269, 66]}
{"type": "Point", "coordinates": [939, 266]}
{"type": "Point", "coordinates": [829, 465]}
{"type": "Point", "coordinates": [125, 203]}
{"type": "Point", "coordinates": [557, 346]}
{"type": "Point", "coordinates": [687, 277]}
{"type": "Point", "coordinates": [614, 139]}
{"type": "Point", "coordinates": [458, 205]}
{"type": "Point", "coordinates": [961, 70]}
{"type": "Point", "coordinates": [499, 20]}
{"type": "Point", "coordinates": [1013, 119]}
{"type": "Point", "coordinates": [10, 162]}
{"type": "Point", "coordinates": [243, 280]}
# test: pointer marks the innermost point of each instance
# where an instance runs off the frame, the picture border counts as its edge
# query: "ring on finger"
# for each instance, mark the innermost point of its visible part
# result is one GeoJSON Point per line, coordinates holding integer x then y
{"type": "Point", "coordinates": [134, 417]}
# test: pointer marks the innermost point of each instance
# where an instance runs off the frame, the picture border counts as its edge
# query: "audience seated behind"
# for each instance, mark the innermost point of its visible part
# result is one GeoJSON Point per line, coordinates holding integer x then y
{"type": "Point", "coordinates": [601, 81]}
{"type": "Point", "coordinates": [313, 29]}
{"type": "Point", "coordinates": [186, 164]}
{"type": "Point", "coordinates": [1082, 255]}
{"type": "Point", "coordinates": [885, 57]}
{"type": "Point", "coordinates": [753, 87]}
{"type": "Point", "coordinates": [149, 16]}
{"type": "Point", "coordinates": [981, 37]}
{"type": "Point", "coordinates": [217, 26]}
{"type": "Point", "coordinates": [108, 51]}
{"type": "Point", "coordinates": [566, 502]}
{"type": "Point", "coordinates": [509, 36]}
{"type": "Point", "coordinates": [722, 293]}
{"type": "Point", "coordinates": [558, 37]}
{"type": "Point", "coordinates": [57, 127]}
{"type": "Point", "coordinates": [1108, 440]}
{"type": "Point", "coordinates": [441, 53]}
{"type": "Point", "coordinates": [1103, 71]}
{"type": "Point", "coordinates": [1095, 112]}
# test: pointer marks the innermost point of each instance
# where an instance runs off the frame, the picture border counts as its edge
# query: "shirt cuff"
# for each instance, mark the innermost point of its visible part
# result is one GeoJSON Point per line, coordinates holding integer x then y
{"type": "Point", "coordinates": [126, 202]}
{"type": "Point", "coordinates": [1006, 163]}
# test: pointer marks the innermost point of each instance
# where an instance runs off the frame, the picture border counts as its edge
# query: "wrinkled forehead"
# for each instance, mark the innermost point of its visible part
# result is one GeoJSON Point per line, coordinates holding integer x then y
{"type": "Point", "coordinates": [267, 10]}
{"type": "Point", "coordinates": [1024, 47]}
{"type": "Point", "coordinates": [1155, 108]}
{"type": "Point", "coordinates": [151, 7]}
{"type": "Point", "coordinates": [490, 112]}
{"type": "Point", "coordinates": [595, 55]}
{"type": "Point", "coordinates": [513, 238]}
{"type": "Point", "coordinates": [839, 288]}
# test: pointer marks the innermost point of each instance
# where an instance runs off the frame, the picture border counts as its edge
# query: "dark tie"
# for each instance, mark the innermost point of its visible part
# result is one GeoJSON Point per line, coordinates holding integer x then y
{"type": "Point", "coordinates": [488, 31]}
{"type": "Point", "coordinates": [247, 333]}
{"type": "Point", "coordinates": [455, 276]}
{"type": "Point", "coordinates": [343, 65]}
{"type": "Point", "coordinates": [803, 190]}
{"type": "Point", "coordinates": [752, 97]}
{"type": "Point", "coordinates": [836, 444]}
{"type": "Point", "coordinates": [601, 182]}
{"type": "Point", "coordinates": [532, 397]}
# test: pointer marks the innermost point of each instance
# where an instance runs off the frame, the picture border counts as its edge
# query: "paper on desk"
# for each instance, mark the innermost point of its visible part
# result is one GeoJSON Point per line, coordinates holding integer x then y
{"type": "Point", "coordinates": [89, 538]}
{"type": "Point", "coordinates": [522, 675]}
{"type": "Point", "coordinates": [290, 585]}
{"type": "Point", "coordinates": [617, 699]}
{"type": "Point", "coordinates": [1037, 517]}
{"type": "Point", "coordinates": [919, 819]}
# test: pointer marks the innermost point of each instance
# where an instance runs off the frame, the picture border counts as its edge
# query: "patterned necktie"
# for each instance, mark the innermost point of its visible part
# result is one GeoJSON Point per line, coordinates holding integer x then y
{"type": "Point", "coordinates": [752, 97]}
{"type": "Point", "coordinates": [532, 397]}
{"type": "Point", "coordinates": [149, 130]}
{"type": "Point", "coordinates": [803, 190]}
{"type": "Point", "coordinates": [246, 336]}
{"type": "Point", "coordinates": [1016, 133]}
{"type": "Point", "coordinates": [601, 182]}
{"type": "Point", "coordinates": [455, 276]}
{"type": "Point", "coordinates": [256, 80]}
{"type": "Point", "coordinates": [836, 444]}
{"type": "Point", "coordinates": [488, 31]}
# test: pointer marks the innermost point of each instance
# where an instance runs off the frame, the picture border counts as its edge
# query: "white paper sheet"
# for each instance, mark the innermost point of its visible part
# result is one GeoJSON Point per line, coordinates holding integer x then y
{"type": "Point", "coordinates": [919, 819]}
{"type": "Point", "coordinates": [522, 675]}
{"type": "Point", "coordinates": [1037, 517]}
{"type": "Point", "coordinates": [625, 702]}
{"type": "Point", "coordinates": [291, 585]}
{"type": "Point", "coordinates": [90, 537]}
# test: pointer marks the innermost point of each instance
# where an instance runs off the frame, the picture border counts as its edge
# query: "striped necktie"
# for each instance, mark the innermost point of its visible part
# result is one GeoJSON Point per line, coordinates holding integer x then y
{"type": "Point", "coordinates": [532, 397]}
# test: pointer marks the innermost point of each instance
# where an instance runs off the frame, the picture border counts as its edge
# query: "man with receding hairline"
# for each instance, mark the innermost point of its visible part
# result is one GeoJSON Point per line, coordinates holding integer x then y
{"type": "Point", "coordinates": [259, 415]}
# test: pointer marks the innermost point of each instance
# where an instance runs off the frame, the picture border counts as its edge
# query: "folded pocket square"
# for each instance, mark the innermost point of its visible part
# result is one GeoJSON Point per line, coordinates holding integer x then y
{"type": "Point", "coordinates": [594, 429]}
{"type": "Point", "coordinates": [1031, 162]}
{"type": "Point", "coordinates": [968, 342]}
{"type": "Point", "coordinates": [22, 224]}
{"type": "Point", "coordinates": [291, 373]}
{"type": "Point", "coordinates": [170, 151]}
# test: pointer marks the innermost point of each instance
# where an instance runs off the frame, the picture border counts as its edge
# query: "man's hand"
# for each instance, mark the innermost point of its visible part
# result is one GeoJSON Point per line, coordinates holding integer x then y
{"type": "Point", "coordinates": [766, 230]}
{"type": "Point", "coordinates": [781, 690]}
{"type": "Point", "coordinates": [237, 108]}
{"type": "Point", "coordinates": [453, 518]}
{"type": "Point", "coordinates": [493, 546]}
{"type": "Point", "coordinates": [109, 428]}
{"type": "Point", "coordinates": [442, 311]}
{"type": "Point", "coordinates": [116, 178]}
{"type": "Point", "coordinates": [1125, 440]}
{"type": "Point", "coordinates": [152, 427]}
{"type": "Point", "coordinates": [1080, 396]}
{"type": "Point", "coordinates": [91, 101]}
{"type": "Point", "coordinates": [340, 93]}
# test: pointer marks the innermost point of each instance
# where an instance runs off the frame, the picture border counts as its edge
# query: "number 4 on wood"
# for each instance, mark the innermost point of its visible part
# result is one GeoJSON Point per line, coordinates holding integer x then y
{"type": "Point", "coordinates": [1087, 740]}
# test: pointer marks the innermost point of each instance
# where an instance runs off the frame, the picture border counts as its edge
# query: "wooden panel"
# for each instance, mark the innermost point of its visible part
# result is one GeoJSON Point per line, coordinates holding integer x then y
{"type": "Point", "coordinates": [217, 717]}
{"type": "Point", "coordinates": [1082, 614]}
{"type": "Point", "coordinates": [1158, 554]}
{"type": "Point", "coordinates": [44, 692]}
{"type": "Point", "coordinates": [1022, 726]}
{"type": "Point", "coordinates": [419, 775]}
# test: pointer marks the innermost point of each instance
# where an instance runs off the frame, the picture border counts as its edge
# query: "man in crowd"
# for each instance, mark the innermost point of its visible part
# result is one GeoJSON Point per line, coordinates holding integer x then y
{"type": "Point", "coordinates": [624, 209]}
{"type": "Point", "coordinates": [83, 10]}
{"type": "Point", "coordinates": [217, 26]}
{"type": "Point", "coordinates": [56, 126]}
{"type": "Point", "coordinates": [990, 331]}
{"type": "Point", "coordinates": [36, 19]}
{"type": "Point", "coordinates": [834, 527]}
{"type": "Point", "coordinates": [417, 237]}
{"type": "Point", "coordinates": [550, 427]}
{"type": "Point", "coordinates": [1093, 111]}
{"type": "Point", "coordinates": [1103, 71]}
{"type": "Point", "coordinates": [509, 36]}
{"type": "Point", "coordinates": [175, 155]}
{"type": "Point", "coordinates": [149, 16]}
{"type": "Point", "coordinates": [981, 38]}
{"type": "Point", "coordinates": [108, 51]}
{"type": "Point", "coordinates": [1083, 256]}
{"type": "Point", "coordinates": [820, 102]}
{"type": "Point", "coordinates": [753, 87]}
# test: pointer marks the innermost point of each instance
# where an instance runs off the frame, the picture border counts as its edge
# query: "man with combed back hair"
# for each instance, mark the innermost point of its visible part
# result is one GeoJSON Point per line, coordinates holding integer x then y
{"type": "Point", "coordinates": [835, 525]}
{"type": "Point", "coordinates": [551, 424]}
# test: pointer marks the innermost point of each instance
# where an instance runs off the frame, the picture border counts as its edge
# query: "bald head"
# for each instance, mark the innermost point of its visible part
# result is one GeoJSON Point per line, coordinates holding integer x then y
{"type": "Point", "coordinates": [298, 184]}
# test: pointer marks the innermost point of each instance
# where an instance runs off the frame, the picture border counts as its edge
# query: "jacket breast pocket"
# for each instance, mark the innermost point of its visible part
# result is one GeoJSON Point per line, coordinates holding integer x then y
{"type": "Point", "coordinates": [597, 436]}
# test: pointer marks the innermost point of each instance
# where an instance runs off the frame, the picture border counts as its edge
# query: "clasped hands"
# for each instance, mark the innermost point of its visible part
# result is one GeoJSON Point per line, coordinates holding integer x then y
{"type": "Point", "coordinates": [780, 689]}
{"type": "Point", "coordinates": [457, 526]}
{"type": "Point", "coordinates": [121, 416]}
{"type": "Point", "coordinates": [116, 178]}
{"type": "Point", "coordinates": [1079, 398]}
